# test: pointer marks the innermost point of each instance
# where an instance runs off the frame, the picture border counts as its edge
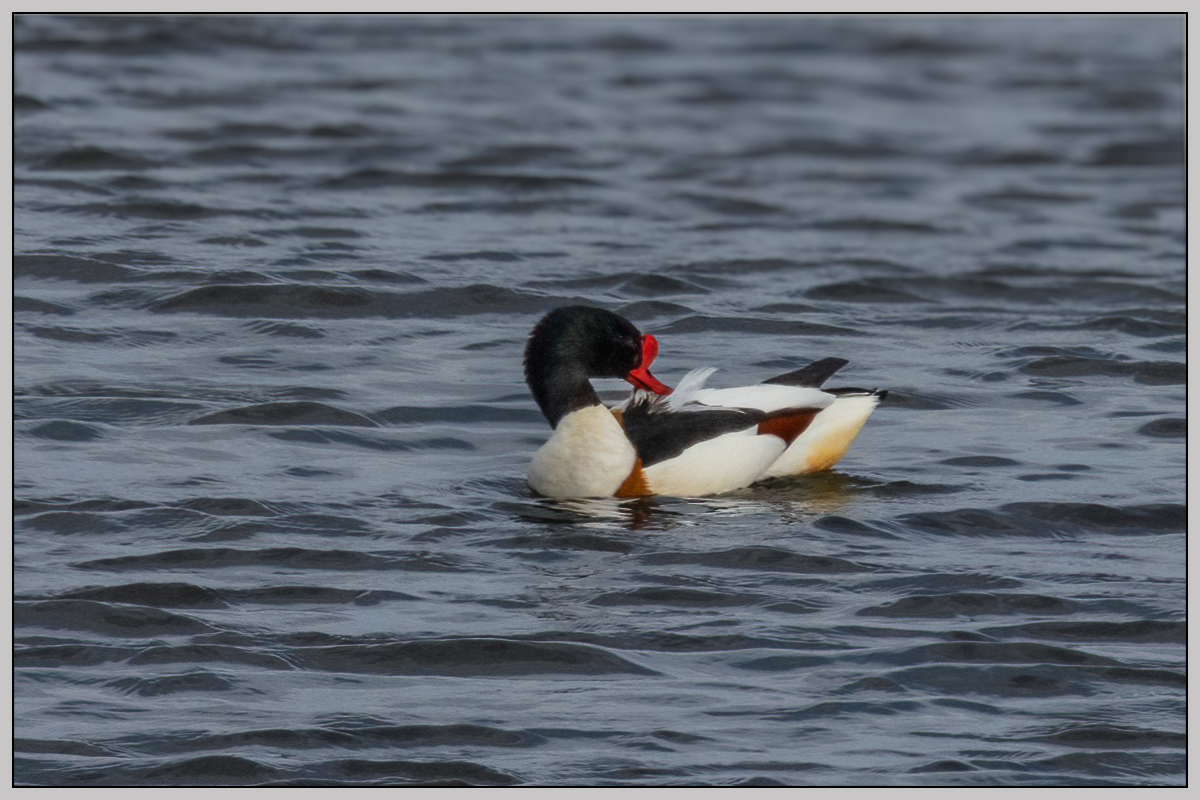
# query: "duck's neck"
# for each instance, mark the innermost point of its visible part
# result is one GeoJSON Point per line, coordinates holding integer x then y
{"type": "Point", "coordinates": [560, 389]}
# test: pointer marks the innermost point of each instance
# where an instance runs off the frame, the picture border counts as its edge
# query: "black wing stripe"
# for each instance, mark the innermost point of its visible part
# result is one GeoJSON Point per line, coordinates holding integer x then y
{"type": "Point", "coordinates": [661, 435]}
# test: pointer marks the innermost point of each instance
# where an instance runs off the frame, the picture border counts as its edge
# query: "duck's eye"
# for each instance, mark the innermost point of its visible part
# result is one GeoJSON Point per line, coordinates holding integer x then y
{"type": "Point", "coordinates": [635, 352]}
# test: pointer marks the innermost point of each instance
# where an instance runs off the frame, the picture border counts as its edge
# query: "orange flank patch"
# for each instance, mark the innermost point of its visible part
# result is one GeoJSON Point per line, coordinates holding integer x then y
{"type": "Point", "coordinates": [635, 485]}
{"type": "Point", "coordinates": [790, 426]}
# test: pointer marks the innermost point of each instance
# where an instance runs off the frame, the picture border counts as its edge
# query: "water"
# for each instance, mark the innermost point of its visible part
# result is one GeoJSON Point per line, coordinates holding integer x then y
{"type": "Point", "coordinates": [273, 281]}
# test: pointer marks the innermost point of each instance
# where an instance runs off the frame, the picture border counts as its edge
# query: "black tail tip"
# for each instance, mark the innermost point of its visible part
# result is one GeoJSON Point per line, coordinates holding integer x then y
{"type": "Point", "coordinates": [813, 375]}
{"type": "Point", "coordinates": [850, 391]}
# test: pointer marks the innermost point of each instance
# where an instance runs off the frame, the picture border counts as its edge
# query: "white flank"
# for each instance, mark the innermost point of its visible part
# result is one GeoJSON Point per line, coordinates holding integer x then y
{"type": "Point", "coordinates": [727, 462]}
{"type": "Point", "coordinates": [827, 438]}
{"type": "Point", "coordinates": [588, 455]}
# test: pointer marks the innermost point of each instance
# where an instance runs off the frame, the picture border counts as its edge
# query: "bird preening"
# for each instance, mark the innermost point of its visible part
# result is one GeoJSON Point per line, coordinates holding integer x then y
{"type": "Point", "coordinates": [688, 441]}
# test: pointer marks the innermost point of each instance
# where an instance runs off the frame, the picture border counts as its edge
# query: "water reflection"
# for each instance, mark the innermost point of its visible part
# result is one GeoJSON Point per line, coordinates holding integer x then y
{"type": "Point", "coordinates": [790, 499]}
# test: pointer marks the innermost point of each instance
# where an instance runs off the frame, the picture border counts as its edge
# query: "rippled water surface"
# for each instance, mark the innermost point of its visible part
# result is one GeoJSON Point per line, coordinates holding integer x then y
{"type": "Point", "coordinates": [273, 281]}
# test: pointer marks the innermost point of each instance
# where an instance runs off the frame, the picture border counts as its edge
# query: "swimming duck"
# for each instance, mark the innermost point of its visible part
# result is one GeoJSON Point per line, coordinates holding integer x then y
{"type": "Point", "coordinates": [685, 442]}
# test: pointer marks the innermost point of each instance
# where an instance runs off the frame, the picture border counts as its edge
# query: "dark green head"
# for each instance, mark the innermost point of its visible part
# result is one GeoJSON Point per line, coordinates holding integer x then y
{"type": "Point", "coordinates": [575, 343]}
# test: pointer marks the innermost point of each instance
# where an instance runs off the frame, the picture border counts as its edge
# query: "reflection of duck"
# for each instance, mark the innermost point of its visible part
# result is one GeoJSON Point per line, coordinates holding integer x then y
{"type": "Point", "coordinates": [686, 442]}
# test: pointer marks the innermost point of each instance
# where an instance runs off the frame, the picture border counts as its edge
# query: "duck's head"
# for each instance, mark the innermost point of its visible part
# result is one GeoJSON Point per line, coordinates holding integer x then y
{"type": "Point", "coordinates": [575, 343]}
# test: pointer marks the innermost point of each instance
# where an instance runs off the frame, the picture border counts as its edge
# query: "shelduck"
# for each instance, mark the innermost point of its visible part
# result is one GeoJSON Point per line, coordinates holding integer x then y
{"type": "Point", "coordinates": [685, 442]}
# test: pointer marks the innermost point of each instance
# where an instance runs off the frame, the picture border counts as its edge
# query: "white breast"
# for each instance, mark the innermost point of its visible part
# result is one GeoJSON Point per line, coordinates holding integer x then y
{"type": "Point", "coordinates": [588, 455]}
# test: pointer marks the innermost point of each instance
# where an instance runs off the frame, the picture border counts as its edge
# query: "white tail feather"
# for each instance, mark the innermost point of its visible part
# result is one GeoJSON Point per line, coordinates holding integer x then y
{"type": "Point", "coordinates": [827, 438]}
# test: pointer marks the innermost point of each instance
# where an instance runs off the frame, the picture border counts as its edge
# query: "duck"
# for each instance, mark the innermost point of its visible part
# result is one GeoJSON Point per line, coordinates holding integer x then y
{"type": "Point", "coordinates": [688, 441]}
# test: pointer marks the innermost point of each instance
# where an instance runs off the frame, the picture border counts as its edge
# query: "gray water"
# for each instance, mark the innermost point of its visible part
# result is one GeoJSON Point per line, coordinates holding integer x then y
{"type": "Point", "coordinates": [273, 279]}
